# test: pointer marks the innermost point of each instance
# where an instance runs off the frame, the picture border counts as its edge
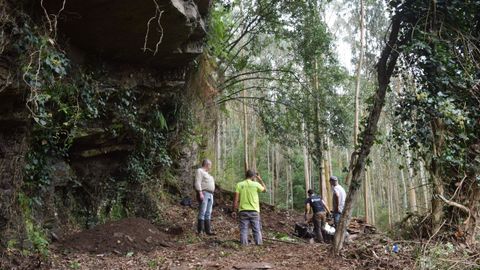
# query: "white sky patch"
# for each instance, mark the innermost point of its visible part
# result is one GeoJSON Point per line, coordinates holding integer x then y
{"type": "Point", "coordinates": [343, 49]}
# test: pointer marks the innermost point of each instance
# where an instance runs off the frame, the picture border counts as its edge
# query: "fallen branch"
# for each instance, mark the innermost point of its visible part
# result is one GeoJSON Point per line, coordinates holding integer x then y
{"type": "Point", "coordinates": [281, 241]}
{"type": "Point", "coordinates": [454, 204]}
{"type": "Point", "coordinates": [431, 237]}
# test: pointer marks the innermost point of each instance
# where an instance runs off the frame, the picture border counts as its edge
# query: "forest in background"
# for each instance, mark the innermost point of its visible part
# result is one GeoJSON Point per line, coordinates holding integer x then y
{"type": "Point", "coordinates": [288, 108]}
{"type": "Point", "coordinates": [96, 131]}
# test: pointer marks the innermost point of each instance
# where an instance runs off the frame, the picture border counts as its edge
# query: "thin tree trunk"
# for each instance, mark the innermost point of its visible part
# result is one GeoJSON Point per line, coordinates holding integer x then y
{"type": "Point", "coordinates": [321, 178]}
{"type": "Point", "coordinates": [389, 193]}
{"type": "Point", "coordinates": [366, 197]}
{"type": "Point", "coordinates": [357, 87]}
{"type": "Point", "coordinates": [270, 175]}
{"type": "Point", "coordinates": [329, 158]}
{"type": "Point", "coordinates": [254, 148]}
{"type": "Point", "coordinates": [359, 75]}
{"type": "Point", "coordinates": [435, 172]}
{"type": "Point", "coordinates": [277, 172]}
{"type": "Point", "coordinates": [405, 200]}
{"type": "Point", "coordinates": [245, 133]}
{"type": "Point", "coordinates": [218, 146]}
{"type": "Point", "coordinates": [385, 67]}
{"type": "Point", "coordinates": [224, 146]}
{"type": "Point", "coordinates": [473, 223]}
{"type": "Point", "coordinates": [311, 174]}
{"type": "Point", "coordinates": [318, 136]}
{"type": "Point", "coordinates": [292, 198]}
{"type": "Point", "coordinates": [329, 172]}
{"type": "Point", "coordinates": [371, 195]}
{"type": "Point", "coordinates": [423, 179]}
{"type": "Point", "coordinates": [328, 194]}
{"type": "Point", "coordinates": [287, 179]}
{"type": "Point", "coordinates": [412, 196]}
{"type": "Point", "coordinates": [306, 171]}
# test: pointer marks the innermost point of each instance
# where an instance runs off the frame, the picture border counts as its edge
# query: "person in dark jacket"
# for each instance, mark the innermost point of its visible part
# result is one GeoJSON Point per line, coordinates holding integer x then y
{"type": "Point", "coordinates": [320, 209]}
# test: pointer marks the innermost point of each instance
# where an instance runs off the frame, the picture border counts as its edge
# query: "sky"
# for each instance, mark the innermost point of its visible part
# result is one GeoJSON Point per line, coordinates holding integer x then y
{"type": "Point", "coordinates": [343, 49]}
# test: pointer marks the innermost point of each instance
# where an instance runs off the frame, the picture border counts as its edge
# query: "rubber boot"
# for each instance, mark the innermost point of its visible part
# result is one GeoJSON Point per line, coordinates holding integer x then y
{"type": "Point", "coordinates": [208, 228]}
{"type": "Point", "coordinates": [200, 226]}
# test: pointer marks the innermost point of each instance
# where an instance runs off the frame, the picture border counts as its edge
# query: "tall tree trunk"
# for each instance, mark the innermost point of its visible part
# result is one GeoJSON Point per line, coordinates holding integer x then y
{"type": "Point", "coordinates": [292, 198]}
{"type": "Point", "coordinates": [473, 204]}
{"type": "Point", "coordinates": [287, 186]}
{"type": "Point", "coordinates": [359, 74]}
{"type": "Point", "coordinates": [245, 132]}
{"type": "Point", "coordinates": [405, 191]}
{"type": "Point", "coordinates": [412, 196]}
{"type": "Point", "coordinates": [218, 145]}
{"type": "Point", "coordinates": [357, 86]}
{"type": "Point", "coordinates": [318, 135]}
{"type": "Point", "coordinates": [425, 186]}
{"type": "Point", "coordinates": [371, 195]}
{"type": "Point", "coordinates": [306, 170]}
{"type": "Point", "coordinates": [329, 157]}
{"type": "Point", "coordinates": [277, 173]}
{"type": "Point", "coordinates": [328, 194]}
{"type": "Point", "coordinates": [366, 197]}
{"type": "Point", "coordinates": [224, 146]}
{"type": "Point", "coordinates": [310, 169]}
{"type": "Point", "coordinates": [389, 193]}
{"type": "Point", "coordinates": [321, 176]}
{"type": "Point", "coordinates": [329, 172]}
{"type": "Point", "coordinates": [270, 175]}
{"type": "Point", "coordinates": [385, 67]}
{"type": "Point", "coordinates": [435, 173]}
{"type": "Point", "coordinates": [254, 147]}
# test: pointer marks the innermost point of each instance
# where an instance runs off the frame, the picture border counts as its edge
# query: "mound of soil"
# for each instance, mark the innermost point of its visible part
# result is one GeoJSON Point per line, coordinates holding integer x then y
{"type": "Point", "coordinates": [126, 235]}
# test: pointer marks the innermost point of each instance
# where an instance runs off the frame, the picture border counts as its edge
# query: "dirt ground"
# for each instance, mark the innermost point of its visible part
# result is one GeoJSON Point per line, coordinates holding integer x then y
{"type": "Point", "coordinates": [123, 245]}
{"type": "Point", "coordinates": [135, 243]}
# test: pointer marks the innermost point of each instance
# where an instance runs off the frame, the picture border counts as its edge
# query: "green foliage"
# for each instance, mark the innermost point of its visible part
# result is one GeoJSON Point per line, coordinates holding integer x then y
{"type": "Point", "coordinates": [435, 257]}
{"type": "Point", "coordinates": [35, 233]}
{"type": "Point", "coordinates": [74, 265]}
{"type": "Point", "coordinates": [439, 106]}
{"type": "Point", "coordinates": [42, 62]}
{"type": "Point", "coordinates": [64, 103]}
{"type": "Point", "coordinates": [153, 264]}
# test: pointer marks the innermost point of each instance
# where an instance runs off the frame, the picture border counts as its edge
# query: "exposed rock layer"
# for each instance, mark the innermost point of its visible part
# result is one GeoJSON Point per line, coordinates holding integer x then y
{"type": "Point", "coordinates": [104, 37]}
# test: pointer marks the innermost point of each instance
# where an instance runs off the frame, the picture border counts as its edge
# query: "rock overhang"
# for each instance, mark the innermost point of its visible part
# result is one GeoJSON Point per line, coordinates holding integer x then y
{"type": "Point", "coordinates": [163, 34]}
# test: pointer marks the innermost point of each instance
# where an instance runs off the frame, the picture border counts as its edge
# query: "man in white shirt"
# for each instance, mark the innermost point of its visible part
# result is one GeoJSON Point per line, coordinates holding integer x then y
{"type": "Point", "coordinates": [204, 187]}
{"type": "Point", "coordinates": [339, 196]}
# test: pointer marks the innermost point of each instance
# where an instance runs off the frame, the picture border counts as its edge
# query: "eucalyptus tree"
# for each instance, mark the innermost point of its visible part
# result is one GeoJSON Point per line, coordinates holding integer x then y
{"type": "Point", "coordinates": [385, 68]}
{"type": "Point", "coordinates": [310, 102]}
{"type": "Point", "coordinates": [441, 117]}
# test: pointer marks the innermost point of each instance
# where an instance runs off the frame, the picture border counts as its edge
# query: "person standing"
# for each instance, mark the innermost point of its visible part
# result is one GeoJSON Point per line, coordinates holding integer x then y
{"type": "Point", "coordinates": [339, 196]}
{"type": "Point", "coordinates": [318, 206]}
{"type": "Point", "coordinates": [204, 187]}
{"type": "Point", "coordinates": [248, 204]}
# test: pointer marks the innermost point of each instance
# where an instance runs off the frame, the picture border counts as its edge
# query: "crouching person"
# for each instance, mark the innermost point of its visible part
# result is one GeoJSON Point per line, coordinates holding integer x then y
{"type": "Point", "coordinates": [248, 204]}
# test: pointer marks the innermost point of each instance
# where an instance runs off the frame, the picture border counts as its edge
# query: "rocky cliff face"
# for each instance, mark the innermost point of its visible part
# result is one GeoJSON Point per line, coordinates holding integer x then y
{"type": "Point", "coordinates": [96, 109]}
